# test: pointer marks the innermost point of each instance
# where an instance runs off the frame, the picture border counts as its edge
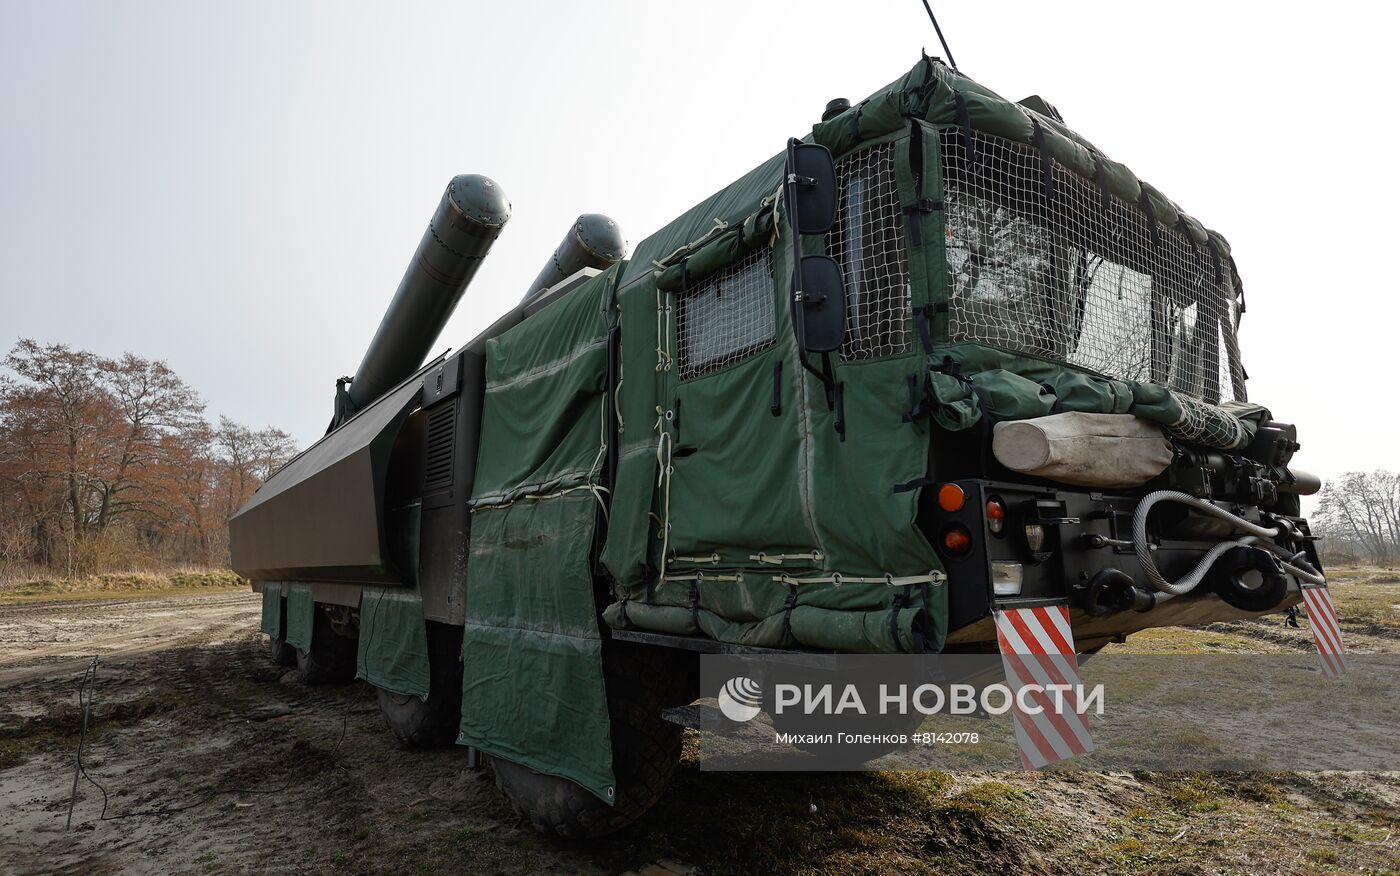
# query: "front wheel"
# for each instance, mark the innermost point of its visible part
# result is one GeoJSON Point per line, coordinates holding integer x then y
{"type": "Point", "coordinates": [646, 748]}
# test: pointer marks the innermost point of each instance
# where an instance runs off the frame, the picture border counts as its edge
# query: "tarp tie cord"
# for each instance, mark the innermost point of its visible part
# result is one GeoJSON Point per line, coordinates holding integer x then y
{"type": "Point", "coordinates": [1047, 176]}
{"type": "Point", "coordinates": [597, 491]}
{"type": "Point", "coordinates": [778, 559]}
{"type": "Point", "coordinates": [934, 577]}
{"type": "Point", "coordinates": [898, 603]}
{"type": "Point", "coordinates": [788, 605]}
{"type": "Point", "coordinates": [663, 331]}
{"type": "Point", "coordinates": [1101, 177]}
{"type": "Point", "coordinates": [776, 408]}
{"type": "Point", "coordinates": [663, 479]}
{"type": "Point", "coordinates": [1146, 204]}
{"type": "Point", "coordinates": [737, 577]}
{"type": "Point", "coordinates": [915, 484]}
{"type": "Point", "coordinates": [841, 411]}
{"type": "Point", "coordinates": [960, 108]}
{"type": "Point", "coordinates": [714, 231]}
{"type": "Point", "coordinates": [713, 559]}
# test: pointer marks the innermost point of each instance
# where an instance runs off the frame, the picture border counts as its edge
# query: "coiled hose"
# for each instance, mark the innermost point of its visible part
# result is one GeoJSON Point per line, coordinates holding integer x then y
{"type": "Point", "coordinates": [1258, 536]}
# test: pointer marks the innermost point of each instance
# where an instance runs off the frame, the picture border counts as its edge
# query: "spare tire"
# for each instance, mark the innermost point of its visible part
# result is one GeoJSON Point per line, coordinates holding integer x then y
{"type": "Point", "coordinates": [640, 682]}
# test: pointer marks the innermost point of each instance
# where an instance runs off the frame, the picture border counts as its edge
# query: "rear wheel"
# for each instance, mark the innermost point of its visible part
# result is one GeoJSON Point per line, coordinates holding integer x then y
{"type": "Point", "coordinates": [434, 722]}
{"type": "Point", "coordinates": [282, 654]}
{"type": "Point", "coordinates": [646, 748]}
{"type": "Point", "coordinates": [331, 659]}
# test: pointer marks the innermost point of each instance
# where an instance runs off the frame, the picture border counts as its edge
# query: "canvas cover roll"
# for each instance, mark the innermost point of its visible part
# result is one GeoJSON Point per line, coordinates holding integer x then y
{"type": "Point", "coordinates": [1088, 450]}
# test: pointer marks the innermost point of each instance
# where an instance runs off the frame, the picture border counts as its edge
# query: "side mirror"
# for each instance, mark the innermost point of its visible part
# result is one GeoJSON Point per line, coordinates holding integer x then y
{"type": "Point", "coordinates": [811, 173]}
{"type": "Point", "coordinates": [823, 304]}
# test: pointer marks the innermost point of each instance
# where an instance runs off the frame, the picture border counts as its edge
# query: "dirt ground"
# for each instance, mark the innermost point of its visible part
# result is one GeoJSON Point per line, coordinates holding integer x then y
{"type": "Point", "coordinates": [216, 761]}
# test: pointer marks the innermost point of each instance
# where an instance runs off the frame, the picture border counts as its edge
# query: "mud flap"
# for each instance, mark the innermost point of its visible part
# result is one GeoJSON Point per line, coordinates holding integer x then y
{"type": "Point", "coordinates": [272, 609]}
{"type": "Point", "coordinates": [532, 681]}
{"type": "Point", "coordinates": [1037, 651]}
{"type": "Point", "coordinates": [1327, 632]}
{"type": "Point", "coordinates": [301, 616]}
{"type": "Point", "coordinates": [393, 643]}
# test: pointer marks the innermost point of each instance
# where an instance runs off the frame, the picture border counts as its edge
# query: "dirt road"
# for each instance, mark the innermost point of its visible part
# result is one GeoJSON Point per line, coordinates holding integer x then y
{"type": "Point", "coordinates": [216, 761]}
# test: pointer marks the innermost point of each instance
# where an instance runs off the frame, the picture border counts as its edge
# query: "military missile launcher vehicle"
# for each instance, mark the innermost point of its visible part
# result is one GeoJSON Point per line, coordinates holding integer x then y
{"type": "Point", "coordinates": [938, 359]}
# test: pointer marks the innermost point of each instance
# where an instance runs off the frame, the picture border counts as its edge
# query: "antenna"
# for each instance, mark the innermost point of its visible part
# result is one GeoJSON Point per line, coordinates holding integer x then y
{"type": "Point", "coordinates": [947, 51]}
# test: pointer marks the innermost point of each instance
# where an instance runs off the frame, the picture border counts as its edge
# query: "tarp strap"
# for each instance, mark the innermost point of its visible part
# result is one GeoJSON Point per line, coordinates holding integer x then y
{"type": "Point", "coordinates": [960, 108]}
{"type": "Point", "coordinates": [1145, 203]}
{"type": "Point", "coordinates": [919, 406]}
{"type": "Point", "coordinates": [915, 484]}
{"type": "Point", "coordinates": [776, 408]}
{"type": "Point", "coordinates": [695, 602]}
{"type": "Point", "coordinates": [1186, 233]}
{"type": "Point", "coordinates": [841, 410]}
{"type": "Point", "coordinates": [898, 603]}
{"type": "Point", "coordinates": [921, 318]}
{"type": "Point", "coordinates": [1047, 176]}
{"type": "Point", "coordinates": [1101, 178]}
{"type": "Point", "coordinates": [917, 209]}
{"type": "Point", "coordinates": [1215, 257]}
{"type": "Point", "coordinates": [1056, 406]}
{"type": "Point", "coordinates": [788, 605]}
{"type": "Point", "coordinates": [855, 122]}
{"type": "Point", "coordinates": [1239, 290]}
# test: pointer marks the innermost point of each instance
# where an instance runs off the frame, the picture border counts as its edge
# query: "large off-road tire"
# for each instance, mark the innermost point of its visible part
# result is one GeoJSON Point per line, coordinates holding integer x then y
{"type": "Point", "coordinates": [431, 723]}
{"type": "Point", "coordinates": [282, 654]}
{"type": "Point", "coordinates": [331, 659]}
{"type": "Point", "coordinates": [640, 683]}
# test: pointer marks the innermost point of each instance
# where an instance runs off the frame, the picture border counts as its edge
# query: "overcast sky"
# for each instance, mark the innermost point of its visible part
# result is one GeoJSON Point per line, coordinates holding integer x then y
{"type": "Point", "coordinates": [236, 188]}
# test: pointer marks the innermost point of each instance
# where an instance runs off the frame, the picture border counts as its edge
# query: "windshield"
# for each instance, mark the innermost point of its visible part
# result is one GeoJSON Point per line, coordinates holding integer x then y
{"type": "Point", "coordinates": [1083, 278]}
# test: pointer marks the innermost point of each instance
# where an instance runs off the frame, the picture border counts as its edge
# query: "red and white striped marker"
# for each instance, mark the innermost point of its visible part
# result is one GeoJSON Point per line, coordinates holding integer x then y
{"type": "Point", "coordinates": [1037, 648]}
{"type": "Point", "coordinates": [1327, 633]}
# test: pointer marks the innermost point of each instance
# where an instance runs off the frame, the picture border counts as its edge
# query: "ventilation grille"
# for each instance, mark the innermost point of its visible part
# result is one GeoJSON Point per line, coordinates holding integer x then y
{"type": "Point", "coordinates": [442, 429]}
{"type": "Point", "coordinates": [727, 317]}
{"type": "Point", "coordinates": [1080, 278]}
{"type": "Point", "coordinates": [868, 243]}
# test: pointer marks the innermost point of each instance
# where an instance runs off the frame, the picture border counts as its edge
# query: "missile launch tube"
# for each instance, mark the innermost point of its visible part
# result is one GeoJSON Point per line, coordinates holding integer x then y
{"type": "Point", "coordinates": [468, 220]}
{"type": "Point", "coordinates": [593, 241]}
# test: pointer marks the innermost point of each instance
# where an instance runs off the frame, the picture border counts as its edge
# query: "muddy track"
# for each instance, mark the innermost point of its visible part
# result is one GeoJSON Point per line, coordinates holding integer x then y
{"type": "Point", "coordinates": [216, 761]}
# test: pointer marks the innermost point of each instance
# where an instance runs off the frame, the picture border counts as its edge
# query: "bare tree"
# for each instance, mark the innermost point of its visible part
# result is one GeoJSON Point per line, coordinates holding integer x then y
{"type": "Point", "coordinates": [110, 461]}
{"type": "Point", "coordinates": [1362, 510]}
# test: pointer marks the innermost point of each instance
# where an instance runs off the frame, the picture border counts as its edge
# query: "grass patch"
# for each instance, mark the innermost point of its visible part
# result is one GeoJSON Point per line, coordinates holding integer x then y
{"type": "Point", "coordinates": [122, 585]}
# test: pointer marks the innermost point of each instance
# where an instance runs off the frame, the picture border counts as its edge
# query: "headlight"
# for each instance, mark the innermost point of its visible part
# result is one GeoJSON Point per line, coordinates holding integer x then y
{"type": "Point", "coordinates": [1006, 578]}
